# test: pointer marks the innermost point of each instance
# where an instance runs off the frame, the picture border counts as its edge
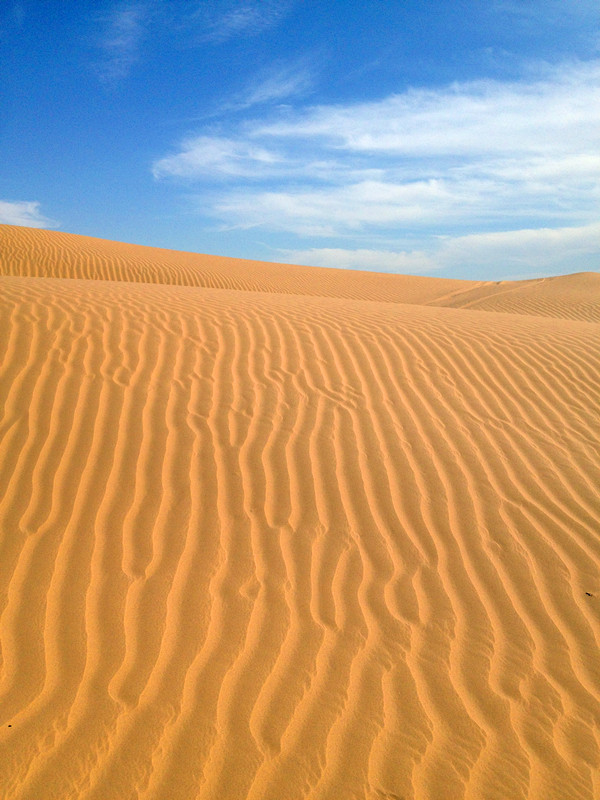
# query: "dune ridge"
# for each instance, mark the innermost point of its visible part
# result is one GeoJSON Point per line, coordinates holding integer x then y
{"type": "Point", "coordinates": [29, 252]}
{"type": "Point", "coordinates": [264, 543]}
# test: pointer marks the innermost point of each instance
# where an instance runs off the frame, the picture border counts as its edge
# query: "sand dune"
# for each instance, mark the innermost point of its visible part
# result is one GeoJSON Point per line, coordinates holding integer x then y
{"type": "Point", "coordinates": [49, 254]}
{"type": "Point", "coordinates": [278, 533]}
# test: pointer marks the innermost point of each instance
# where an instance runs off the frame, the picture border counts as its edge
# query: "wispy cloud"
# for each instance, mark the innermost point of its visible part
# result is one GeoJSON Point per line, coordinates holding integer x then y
{"type": "Point", "coordinates": [489, 196]}
{"type": "Point", "coordinates": [25, 213]}
{"type": "Point", "coordinates": [581, 14]}
{"type": "Point", "coordinates": [129, 23]}
{"type": "Point", "coordinates": [471, 119]}
{"type": "Point", "coordinates": [405, 262]}
{"type": "Point", "coordinates": [339, 210]}
{"type": "Point", "coordinates": [276, 84]}
{"type": "Point", "coordinates": [124, 29]}
{"type": "Point", "coordinates": [228, 19]}
{"type": "Point", "coordinates": [463, 160]}
{"type": "Point", "coordinates": [546, 251]}
{"type": "Point", "coordinates": [204, 156]}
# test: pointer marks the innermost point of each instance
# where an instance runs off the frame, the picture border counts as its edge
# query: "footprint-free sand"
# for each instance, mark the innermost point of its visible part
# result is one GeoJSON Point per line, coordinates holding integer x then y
{"type": "Point", "coordinates": [273, 532]}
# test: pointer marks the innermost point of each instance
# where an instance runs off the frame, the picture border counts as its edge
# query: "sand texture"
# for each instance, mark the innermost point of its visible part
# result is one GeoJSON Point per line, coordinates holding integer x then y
{"type": "Point", "coordinates": [286, 533]}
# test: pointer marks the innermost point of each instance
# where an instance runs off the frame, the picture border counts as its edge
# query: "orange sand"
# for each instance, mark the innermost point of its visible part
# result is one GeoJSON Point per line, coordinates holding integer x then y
{"type": "Point", "coordinates": [278, 532]}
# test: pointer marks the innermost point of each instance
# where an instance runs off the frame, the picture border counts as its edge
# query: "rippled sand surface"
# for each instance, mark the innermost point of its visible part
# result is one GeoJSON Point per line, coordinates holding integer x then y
{"type": "Point", "coordinates": [279, 532]}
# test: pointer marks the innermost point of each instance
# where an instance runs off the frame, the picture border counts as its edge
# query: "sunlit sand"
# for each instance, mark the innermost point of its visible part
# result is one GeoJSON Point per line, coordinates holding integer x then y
{"type": "Point", "coordinates": [279, 532]}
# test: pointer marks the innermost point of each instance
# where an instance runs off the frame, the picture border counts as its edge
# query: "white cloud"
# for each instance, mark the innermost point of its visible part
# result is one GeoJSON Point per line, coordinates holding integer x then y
{"type": "Point", "coordinates": [277, 84]}
{"type": "Point", "coordinates": [449, 166]}
{"type": "Point", "coordinates": [24, 213]}
{"type": "Point", "coordinates": [544, 250]}
{"type": "Point", "coordinates": [462, 198]}
{"type": "Point", "coordinates": [507, 255]}
{"type": "Point", "coordinates": [341, 209]}
{"type": "Point", "coordinates": [557, 112]}
{"type": "Point", "coordinates": [124, 31]}
{"type": "Point", "coordinates": [228, 19]}
{"type": "Point", "coordinates": [364, 259]}
{"type": "Point", "coordinates": [483, 130]}
{"type": "Point", "coordinates": [207, 155]}
{"type": "Point", "coordinates": [129, 23]}
{"type": "Point", "coordinates": [219, 157]}
{"type": "Point", "coordinates": [527, 13]}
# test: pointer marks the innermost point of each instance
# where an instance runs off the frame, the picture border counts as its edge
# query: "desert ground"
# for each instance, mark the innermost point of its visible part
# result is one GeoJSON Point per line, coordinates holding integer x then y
{"type": "Point", "coordinates": [274, 532]}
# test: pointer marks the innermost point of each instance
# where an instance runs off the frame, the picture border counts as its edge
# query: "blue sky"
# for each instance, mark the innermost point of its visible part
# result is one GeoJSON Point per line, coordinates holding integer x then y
{"type": "Point", "coordinates": [457, 138]}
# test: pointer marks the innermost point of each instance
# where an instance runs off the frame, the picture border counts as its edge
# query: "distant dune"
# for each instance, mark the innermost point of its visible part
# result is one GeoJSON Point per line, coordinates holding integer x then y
{"type": "Point", "coordinates": [282, 533]}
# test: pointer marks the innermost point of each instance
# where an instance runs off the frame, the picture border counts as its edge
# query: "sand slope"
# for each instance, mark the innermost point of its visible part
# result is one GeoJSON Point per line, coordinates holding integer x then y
{"type": "Point", "coordinates": [270, 541]}
{"type": "Point", "coordinates": [50, 254]}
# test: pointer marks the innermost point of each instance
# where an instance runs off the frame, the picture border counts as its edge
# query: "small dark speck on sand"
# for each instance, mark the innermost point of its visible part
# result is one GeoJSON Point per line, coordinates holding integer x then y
{"type": "Point", "coordinates": [589, 594]}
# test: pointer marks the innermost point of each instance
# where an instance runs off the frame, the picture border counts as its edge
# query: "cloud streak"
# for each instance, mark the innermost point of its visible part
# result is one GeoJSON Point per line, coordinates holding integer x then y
{"type": "Point", "coordinates": [204, 155]}
{"type": "Point", "coordinates": [228, 20]}
{"type": "Point", "coordinates": [279, 83]}
{"type": "Point", "coordinates": [130, 23]}
{"type": "Point", "coordinates": [405, 262]}
{"type": "Point", "coordinates": [550, 251]}
{"type": "Point", "coordinates": [552, 114]}
{"type": "Point", "coordinates": [124, 31]}
{"type": "Point", "coordinates": [25, 213]}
